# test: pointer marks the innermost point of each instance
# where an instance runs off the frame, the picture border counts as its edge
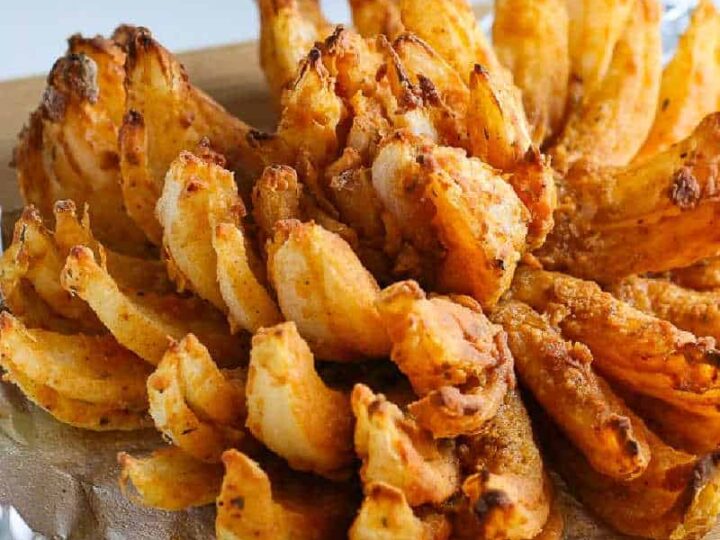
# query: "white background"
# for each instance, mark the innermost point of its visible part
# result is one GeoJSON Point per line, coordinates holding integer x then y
{"type": "Point", "coordinates": [33, 32]}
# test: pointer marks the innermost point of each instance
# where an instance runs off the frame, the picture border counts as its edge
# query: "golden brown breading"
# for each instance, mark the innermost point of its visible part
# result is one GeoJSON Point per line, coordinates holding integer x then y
{"type": "Point", "coordinates": [690, 86]}
{"type": "Point", "coordinates": [457, 361]}
{"type": "Point", "coordinates": [279, 505]}
{"type": "Point", "coordinates": [288, 30]}
{"type": "Point", "coordinates": [507, 493]}
{"type": "Point", "coordinates": [143, 321]}
{"type": "Point", "coordinates": [678, 495]}
{"type": "Point", "coordinates": [169, 479]}
{"type": "Point", "coordinates": [647, 217]}
{"type": "Point", "coordinates": [695, 311]}
{"type": "Point", "coordinates": [291, 410]}
{"type": "Point", "coordinates": [531, 40]}
{"type": "Point", "coordinates": [276, 196]}
{"type": "Point", "coordinates": [195, 405]}
{"type": "Point", "coordinates": [386, 515]}
{"type": "Point", "coordinates": [69, 149]}
{"type": "Point", "coordinates": [456, 211]}
{"type": "Point", "coordinates": [395, 450]}
{"type": "Point", "coordinates": [95, 369]}
{"type": "Point", "coordinates": [452, 31]}
{"type": "Point", "coordinates": [647, 354]}
{"type": "Point", "coordinates": [559, 375]}
{"type": "Point", "coordinates": [165, 114]}
{"type": "Point", "coordinates": [322, 286]}
{"type": "Point", "coordinates": [373, 17]}
{"type": "Point", "coordinates": [614, 117]}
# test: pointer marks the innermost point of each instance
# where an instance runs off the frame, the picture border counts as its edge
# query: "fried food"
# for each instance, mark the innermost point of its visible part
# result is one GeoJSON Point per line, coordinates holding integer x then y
{"type": "Point", "coordinates": [559, 375]}
{"type": "Point", "coordinates": [278, 507]}
{"type": "Point", "coordinates": [499, 132]}
{"type": "Point", "coordinates": [69, 148]}
{"type": "Point", "coordinates": [169, 479]}
{"type": "Point", "coordinates": [695, 311]}
{"type": "Point", "coordinates": [531, 40]}
{"type": "Point", "coordinates": [288, 30]}
{"type": "Point", "coordinates": [322, 286]}
{"type": "Point", "coordinates": [165, 114]}
{"type": "Point", "coordinates": [79, 367]}
{"type": "Point", "coordinates": [129, 271]}
{"type": "Point", "coordinates": [451, 29]}
{"type": "Point", "coordinates": [690, 86]}
{"type": "Point", "coordinates": [702, 276]}
{"type": "Point", "coordinates": [457, 361]}
{"type": "Point", "coordinates": [143, 321]}
{"type": "Point", "coordinates": [276, 196]}
{"type": "Point", "coordinates": [291, 410]}
{"type": "Point", "coordinates": [647, 354]}
{"type": "Point", "coordinates": [595, 27]}
{"type": "Point", "coordinates": [194, 404]}
{"type": "Point", "coordinates": [615, 115]}
{"type": "Point", "coordinates": [507, 493]}
{"type": "Point", "coordinates": [386, 515]}
{"type": "Point", "coordinates": [197, 195]}
{"type": "Point", "coordinates": [373, 17]}
{"type": "Point", "coordinates": [439, 196]}
{"type": "Point", "coordinates": [648, 217]}
{"type": "Point", "coordinates": [677, 496]}
{"type": "Point", "coordinates": [396, 451]}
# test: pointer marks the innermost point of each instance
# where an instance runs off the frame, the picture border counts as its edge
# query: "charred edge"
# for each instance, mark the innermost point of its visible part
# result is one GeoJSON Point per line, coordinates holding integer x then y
{"type": "Point", "coordinates": [623, 427]}
{"type": "Point", "coordinates": [488, 501]}
{"type": "Point", "coordinates": [685, 189]}
{"type": "Point", "coordinates": [123, 34]}
{"type": "Point", "coordinates": [409, 100]}
{"type": "Point", "coordinates": [133, 118]}
{"type": "Point", "coordinates": [374, 406]}
{"type": "Point", "coordinates": [334, 39]}
{"type": "Point", "coordinates": [75, 75]}
{"type": "Point", "coordinates": [428, 90]}
{"type": "Point", "coordinates": [207, 153]}
{"type": "Point", "coordinates": [481, 70]}
{"type": "Point", "coordinates": [412, 38]}
{"type": "Point", "coordinates": [137, 40]}
{"type": "Point", "coordinates": [98, 43]}
{"type": "Point", "coordinates": [65, 206]}
{"type": "Point", "coordinates": [255, 137]}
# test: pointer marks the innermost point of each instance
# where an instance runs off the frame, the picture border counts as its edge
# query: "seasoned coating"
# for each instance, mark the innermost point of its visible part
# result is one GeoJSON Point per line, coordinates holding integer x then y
{"type": "Point", "coordinates": [507, 493]}
{"type": "Point", "coordinates": [288, 30]}
{"type": "Point", "coordinates": [439, 196]}
{"type": "Point", "coordinates": [69, 148]}
{"type": "Point", "coordinates": [499, 131]}
{"type": "Point", "coordinates": [647, 354]}
{"type": "Point", "coordinates": [676, 497]}
{"type": "Point", "coordinates": [279, 506]}
{"type": "Point", "coordinates": [311, 115]}
{"type": "Point", "coordinates": [695, 311]}
{"type": "Point", "coordinates": [595, 27]}
{"type": "Point", "coordinates": [690, 86]}
{"type": "Point", "coordinates": [452, 31]}
{"type": "Point", "coordinates": [276, 196]}
{"type": "Point", "coordinates": [129, 271]}
{"type": "Point", "coordinates": [195, 405]}
{"type": "Point", "coordinates": [38, 260]}
{"type": "Point", "coordinates": [398, 452]}
{"type": "Point", "coordinates": [169, 479]}
{"type": "Point", "coordinates": [198, 193]}
{"type": "Point", "coordinates": [702, 276]}
{"type": "Point", "coordinates": [143, 321]}
{"type": "Point", "coordinates": [95, 369]}
{"type": "Point", "coordinates": [373, 17]}
{"type": "Point", "coordinates": [164, 115]}
{"type": "Point", "coordinates": [457, 361]}
{"type": "Point", "coordinates": [386, 515]}
{"type": "Point", "coordinates": [531, 40]}
{"type": "Point", "coordinates": [614, 117]}
{"type": "Point", "coordinates": [250, 305]}
{"type": "Point", "coordinates": [648, 217]}
{"type": "Point", "coordinates": [322, 287]}
{"type": "Point", "coordinates": [291, 410]}
{"type": "Point", "coordinates": [559, 375]}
